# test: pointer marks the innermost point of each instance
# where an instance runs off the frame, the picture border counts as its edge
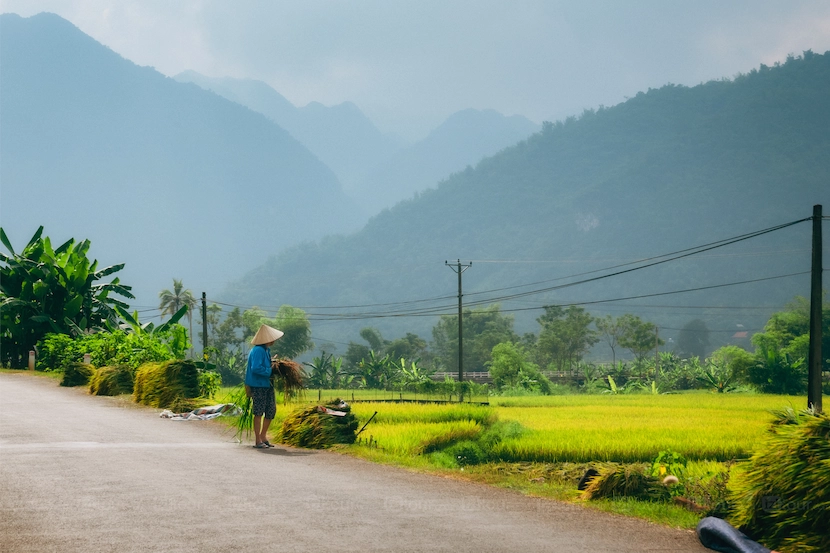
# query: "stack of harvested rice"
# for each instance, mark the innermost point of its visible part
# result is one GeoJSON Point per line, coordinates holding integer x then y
{"type": "Point", "coordinates": [77, 374]}
{"type": "Point", "coordinates": [616, 480]}
{"type": "Point", "coordinates": [782, 497]}
{"type": "Point", "coordinates": [166, 384]}
{"type": "Point", "coordinates": [320, 426]}
{"type": "Point", "coordinates": [111, 381]}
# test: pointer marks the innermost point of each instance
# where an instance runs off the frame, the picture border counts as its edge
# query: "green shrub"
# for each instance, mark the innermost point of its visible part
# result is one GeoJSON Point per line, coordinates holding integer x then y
{"type": "Point", "coordinates": [56, 351]}
{"type": "Point", "coordinates": [475, 450]}
{"type": "Point", "coordinates": [111, 381]}
{"type": "Point", "coordinates": [782, 499]}
{"type": "Point", "coordinates": [77, 374]}
{"type": "Point", "coordinates": [119, 347]}
{"type": "Point", "coordinates": [467, 452]}
{"type": "Point", "coordinates": [161, 384]}
{"type": "Point", "coordinates": [669, 462]}
{"type": "Point", "coordinates": [777, 372]}
{"type": "Point", "coordinates": [209, 384]}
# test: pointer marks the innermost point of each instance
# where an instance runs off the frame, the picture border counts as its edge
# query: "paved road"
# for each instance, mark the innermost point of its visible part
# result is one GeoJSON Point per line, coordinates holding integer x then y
{"type": "Point", "coordinates": [88, 474]}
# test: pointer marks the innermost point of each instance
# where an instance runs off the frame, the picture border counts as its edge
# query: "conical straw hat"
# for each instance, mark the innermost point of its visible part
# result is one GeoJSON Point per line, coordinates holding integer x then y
{"type": "Point", "coordinates": [266, 334]}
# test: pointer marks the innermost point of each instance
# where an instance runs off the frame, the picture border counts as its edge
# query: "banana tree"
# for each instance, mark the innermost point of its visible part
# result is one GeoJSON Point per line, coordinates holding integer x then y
{"type": "Point", "coordinates": [717, 376]}
{"type": "Point", "coordinates": [321, 375]}
{"type": "Point", "coordinates": [374, 373]}
{"type": "Point", "coordinates": [413, 377]}
{"type": "Point", "coordinates": [45, 289]}
{"type": "Point", "coordinates": [132, 323]}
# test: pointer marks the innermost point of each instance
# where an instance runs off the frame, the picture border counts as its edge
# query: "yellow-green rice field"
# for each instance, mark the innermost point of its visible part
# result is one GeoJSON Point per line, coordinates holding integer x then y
{"type": "Point", "coordinates": [572, 428]}
{"type": "Point", "coordinates": [583, 428]}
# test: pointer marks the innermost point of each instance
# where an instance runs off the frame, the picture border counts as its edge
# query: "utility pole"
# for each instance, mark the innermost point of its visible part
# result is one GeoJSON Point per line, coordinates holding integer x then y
{"type": "Point", "coordinates": [460, 268]}
{"type": "Point", "coordinates": [814, 358]}
{"type": "Point", "coordinates": [656, 351]}
{"type": "Point", "coordinates": [204, 326]}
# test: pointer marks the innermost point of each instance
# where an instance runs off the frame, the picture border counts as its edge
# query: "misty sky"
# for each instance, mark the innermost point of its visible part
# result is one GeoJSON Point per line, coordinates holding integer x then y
{"type": "Point", "coordinates": [409, 65]}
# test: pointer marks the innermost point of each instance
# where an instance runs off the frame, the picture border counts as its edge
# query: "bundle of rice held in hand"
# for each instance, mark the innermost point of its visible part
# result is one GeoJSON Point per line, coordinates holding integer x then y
{"type": "Point", "coordinates": [287, 376]}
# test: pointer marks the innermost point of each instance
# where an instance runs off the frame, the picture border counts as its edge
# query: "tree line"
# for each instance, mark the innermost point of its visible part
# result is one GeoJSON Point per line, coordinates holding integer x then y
{"type": "Point", "coordinates": [58, 291]}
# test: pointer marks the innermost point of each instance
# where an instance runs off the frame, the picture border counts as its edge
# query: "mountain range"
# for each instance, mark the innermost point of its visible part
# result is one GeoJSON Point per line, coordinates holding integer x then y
{"type": "Point", "coordinates": [563, 216]}
{"type": "Point", "coordinates": [239, 193]}
{"type": "Point", "coordinates": [377, 170]}
{"type": "Point", "coordinates": [175, 180]}
{"type": "Point", "coordinates": [341, 136]}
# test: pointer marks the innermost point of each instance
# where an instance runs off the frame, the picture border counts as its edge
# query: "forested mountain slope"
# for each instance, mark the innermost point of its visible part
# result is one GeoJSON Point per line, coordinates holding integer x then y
{"type": "Point", "coordinates": [463, 139]}
{"type": "Point", "coordinates": [669, 169]}
{"type": "Point", "coordinates": [166, 177]}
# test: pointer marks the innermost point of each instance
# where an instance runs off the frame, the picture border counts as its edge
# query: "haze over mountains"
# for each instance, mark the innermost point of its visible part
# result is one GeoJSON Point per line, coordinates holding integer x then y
{"type": "Point", "coordinates": [171, 179]}
{"type": "Point", "coordinates": [670, 169]}
{"type": "Point", "coordinates": [177, 181]}
{"type": "Point", "coordinates": [341, 136]}
{"type": "Point", "coordinates": [377, 170]}
{"type": "Point", "coordinates": [463, 139]}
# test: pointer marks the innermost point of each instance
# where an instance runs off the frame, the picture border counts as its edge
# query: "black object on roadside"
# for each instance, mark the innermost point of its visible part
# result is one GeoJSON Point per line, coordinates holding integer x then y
{"type": "Point", "coordinates": [717, 534]}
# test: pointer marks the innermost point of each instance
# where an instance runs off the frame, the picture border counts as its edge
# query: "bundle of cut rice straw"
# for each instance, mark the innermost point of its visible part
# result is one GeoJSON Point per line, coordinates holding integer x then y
{"type": "Point", "coordinates": [289, 376]}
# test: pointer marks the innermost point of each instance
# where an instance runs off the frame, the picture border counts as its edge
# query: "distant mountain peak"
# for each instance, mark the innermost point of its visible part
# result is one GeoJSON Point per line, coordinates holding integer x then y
{"type": "Point", "coordinates": [168, 178]}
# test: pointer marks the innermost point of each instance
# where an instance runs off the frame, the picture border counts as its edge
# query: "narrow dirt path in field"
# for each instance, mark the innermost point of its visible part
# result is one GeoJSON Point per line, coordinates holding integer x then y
{"type": "Point", "coordinates": [87, 474]}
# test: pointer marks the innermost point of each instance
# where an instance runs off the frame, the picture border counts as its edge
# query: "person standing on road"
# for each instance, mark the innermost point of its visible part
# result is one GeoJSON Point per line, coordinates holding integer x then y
{"type": "Point", "coordinates": [258, 381]}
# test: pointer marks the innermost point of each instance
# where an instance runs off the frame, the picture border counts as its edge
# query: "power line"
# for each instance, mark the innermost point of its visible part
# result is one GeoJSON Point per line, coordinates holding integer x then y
{"type": "Point", "coordinates": [399, 308]}
{"type": "Point", "coordinates": [657, 260]}
{"type": "Point", "coordinates": [712, 330]}
{"type": "Point", "coordinates": [573, 260]}
{"type": "Point", "coordinates": [666, 293]}
{"type": "Point", "coordinates": [687, 252]}
{"type": "Point", "coordinates": [446, 311]}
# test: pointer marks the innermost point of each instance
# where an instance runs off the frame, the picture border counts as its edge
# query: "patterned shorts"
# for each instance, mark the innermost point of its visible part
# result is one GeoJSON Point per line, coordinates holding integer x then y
{"type": "Point", "coordinates": [264, 402]}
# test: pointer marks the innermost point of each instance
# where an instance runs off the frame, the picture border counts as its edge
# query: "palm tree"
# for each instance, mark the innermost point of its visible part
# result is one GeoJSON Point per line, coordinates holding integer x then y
{"type": "Point", "coordinates": [171, 302]}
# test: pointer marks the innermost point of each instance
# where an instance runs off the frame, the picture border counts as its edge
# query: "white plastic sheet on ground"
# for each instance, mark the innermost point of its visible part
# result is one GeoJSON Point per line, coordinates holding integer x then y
{"type": "Point", "coordinates": [202, 413]}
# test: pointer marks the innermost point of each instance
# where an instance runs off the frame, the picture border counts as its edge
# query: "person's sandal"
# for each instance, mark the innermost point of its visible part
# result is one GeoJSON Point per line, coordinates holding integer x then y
{"type": "Point", "coordinates": [261, 445]}
{"type": "Point", "coordinates": [267, 443]}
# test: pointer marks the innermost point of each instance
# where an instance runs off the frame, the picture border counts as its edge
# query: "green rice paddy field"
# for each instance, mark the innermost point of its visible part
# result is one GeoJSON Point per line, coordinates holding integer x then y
{"type": "Point", "coordinates": [544, 443]}
{"type": "Point", "coordinates": [581, 428]}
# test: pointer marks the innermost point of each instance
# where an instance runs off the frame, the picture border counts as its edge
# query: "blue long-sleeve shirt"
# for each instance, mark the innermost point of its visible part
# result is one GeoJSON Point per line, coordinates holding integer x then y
{"type": "Point", "coordinates": [258, 373]}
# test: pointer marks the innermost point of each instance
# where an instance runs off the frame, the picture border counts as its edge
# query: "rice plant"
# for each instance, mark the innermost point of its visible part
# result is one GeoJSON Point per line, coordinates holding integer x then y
{"type": "Point", "coordinates": [416, 438]}
{"type": "Point", "coordinates": [400, 413]}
